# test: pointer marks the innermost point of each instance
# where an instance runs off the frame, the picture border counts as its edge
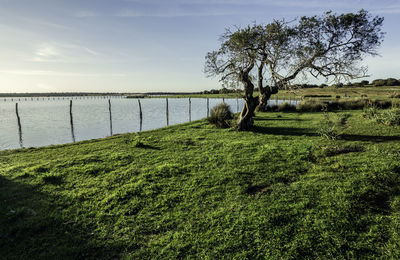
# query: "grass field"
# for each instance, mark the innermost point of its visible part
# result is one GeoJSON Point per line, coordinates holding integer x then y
{"type": "Point", "coordinates": [192, 191]}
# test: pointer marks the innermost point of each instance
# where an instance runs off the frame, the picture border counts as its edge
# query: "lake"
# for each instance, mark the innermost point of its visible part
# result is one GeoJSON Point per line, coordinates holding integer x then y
{"type": "Point", "coordinates": [46, 121]}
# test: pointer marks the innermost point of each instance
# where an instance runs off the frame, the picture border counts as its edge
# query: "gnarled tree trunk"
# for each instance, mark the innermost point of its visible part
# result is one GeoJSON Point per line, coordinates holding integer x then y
{"type": "Point", "coordinates": [264, 96]}
{"type": "Point", "coordinates": [245, 120]}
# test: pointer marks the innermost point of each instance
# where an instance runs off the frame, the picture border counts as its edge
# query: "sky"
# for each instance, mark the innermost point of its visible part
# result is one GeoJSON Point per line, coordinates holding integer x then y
{"type": "Point", "coordinates": [147, 45]}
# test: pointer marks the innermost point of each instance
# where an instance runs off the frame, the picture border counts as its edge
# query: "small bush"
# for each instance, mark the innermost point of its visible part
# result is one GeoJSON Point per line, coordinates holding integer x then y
{"type": "Point", "coordinates": [331, 127]}
{"type": "Point", "coordinates": [396, 104]}
{"type": "Point", "coordinates": [220, 116]}
{"type": "Point", "coordinates": [286, 107]}
{"type": "Point", "coordinates": [328, 128]}
{"type": "Point", "coordinates": [272, 108]}
{"type": "Point", "coordinates": [390, 117]}
{"type": "Point", "coordinates": [342, 119]}
{"type": "Point", "coordinates": [395, 95]}
{"type": "Point", "coordinates": [358, 104]}
{"type": "Point", "coordinates": [370, 113]}
{"type": "Point", "coordinates": [313, 96]}
{"type": "Point", "coordinates": [311, 105]}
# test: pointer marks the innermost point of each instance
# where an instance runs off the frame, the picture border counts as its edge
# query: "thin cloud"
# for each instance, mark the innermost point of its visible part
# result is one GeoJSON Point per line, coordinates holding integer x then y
{"type": "Point", "coordinates": [45, 23]}
{"type": "Point", "coordinates": [58, 73]}
{"type": "Point", "coordinates": [62, 52]}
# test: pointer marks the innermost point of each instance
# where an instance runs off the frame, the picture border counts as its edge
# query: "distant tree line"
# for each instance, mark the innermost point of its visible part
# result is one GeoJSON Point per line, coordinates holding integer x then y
{"type": "Point", "coordinates": [363, 83]}
{"type": "Point", "coordinates": [222, 91]}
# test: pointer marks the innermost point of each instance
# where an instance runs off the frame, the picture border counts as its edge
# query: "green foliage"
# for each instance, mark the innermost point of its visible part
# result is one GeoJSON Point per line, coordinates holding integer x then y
{"type": "Point", "coordinates": [395, 95]}
{"type": "Point", "coordinates": [286, 107]}
{"type": "Point", "coordinates": [332, 125]}
{"type": "Point", "coordinates": [386, 82]}
{"type": "Point", "coordinates": [220, 116]}
{"type": "Point", "coordinates": [328, 128]}
{"type": "Point", "coordinates": [311, 105]}
{"type": "Point", "coordinates": [315, 105]}
{"type": "Point", "coordinates": [389, 117]}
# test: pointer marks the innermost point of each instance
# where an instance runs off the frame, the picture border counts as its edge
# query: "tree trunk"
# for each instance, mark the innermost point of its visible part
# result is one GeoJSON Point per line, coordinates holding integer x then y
{"type": "Point", "coordinates": [265, 95]}
{"type": "Point", "coordinates": [245, 120]}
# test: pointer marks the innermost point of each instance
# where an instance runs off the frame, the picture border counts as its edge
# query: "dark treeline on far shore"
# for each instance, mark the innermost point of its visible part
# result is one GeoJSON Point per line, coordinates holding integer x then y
{"type": "Point", "coordinates": [84, 94]}
{"type": "Point", "coordinates": [59, 94]}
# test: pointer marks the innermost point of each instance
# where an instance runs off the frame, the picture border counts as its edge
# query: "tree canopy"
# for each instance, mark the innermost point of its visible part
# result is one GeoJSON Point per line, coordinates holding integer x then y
{"type": "Point", "coordinates": [273, 55]}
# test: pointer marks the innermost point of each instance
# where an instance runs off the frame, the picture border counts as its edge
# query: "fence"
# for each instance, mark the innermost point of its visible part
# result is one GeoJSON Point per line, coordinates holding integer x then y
{"type": "Point", "coordinates": [167, 108]}
{"type": "Point", "coordinates": [20, 120]}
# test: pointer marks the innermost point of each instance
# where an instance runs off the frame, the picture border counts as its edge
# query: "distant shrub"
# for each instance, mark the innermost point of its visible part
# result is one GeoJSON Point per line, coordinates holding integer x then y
{"type": "Point", "coordinates": [328, 128]}
{"type": "Point", "coordinates": [392, 82]}
{"type": "Point", "coordinates": [364, 82]}
{"type": "Point", "coordinates": [395, 95]}
{"type": "Point", "coordinates": [379, 82]}
{"type": "Point", "coordinates": [220, 116]}
{"type": "Point", "coordinates": [350, 104]}
{"type": "Point", "coordinates": [313, 96]}
{"type": "Point", "coordinates": [358, 104]}
{"type": "Point", "coordinates": [396, 104]}
{"type": "Point", "coordinates": [311, 105]}
{"type": "Point", "coordinates": [286, 107]}
{"type": "Point", "coordinates": [370, 113]}
{"type": "Point", "coordinates": [389, 117]}
{"type": "Point", "coordinates": [342, 118]}
{"type": "Point", "coordinates": [338, 85]}
{"type": "Point", "coordinates": [272, 108]}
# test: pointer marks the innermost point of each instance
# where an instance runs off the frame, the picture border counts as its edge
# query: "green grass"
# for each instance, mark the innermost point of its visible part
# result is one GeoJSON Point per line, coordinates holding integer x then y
{"type": "Point", "coordinates": [194, 191]}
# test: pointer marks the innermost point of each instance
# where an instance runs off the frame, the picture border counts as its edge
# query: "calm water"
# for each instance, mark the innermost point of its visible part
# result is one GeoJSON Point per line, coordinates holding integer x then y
{"type": "Point", "coordinates": [47, 121]}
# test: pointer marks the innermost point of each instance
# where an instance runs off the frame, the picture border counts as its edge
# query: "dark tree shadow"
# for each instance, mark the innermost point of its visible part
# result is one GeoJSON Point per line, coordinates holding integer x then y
{"type": "Point", "coordinates": [292, 131]}
{"type": "Point", "coordinates": [369, 138]}
{"type": "Point", "coordinates": [278, 119]}
{"type": "Point", "coordinates": [32, 226]}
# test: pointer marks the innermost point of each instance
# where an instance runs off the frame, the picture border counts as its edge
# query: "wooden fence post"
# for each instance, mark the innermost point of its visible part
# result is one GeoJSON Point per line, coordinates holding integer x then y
{"type": "Point", "coordinates": [208, 107]}
{"type": "Point", "coordinates": [166, 111]}
{"type": "Point", "coordinates": [19, 126]}
{"type": "Point", "coordinates": [109, 109]}
{"type": "Point", "coordinates": [190, 110]}
{"type": "Point", "coordinates": [140, 115]}
{"type": "Point", "coordinates": [71, 121]}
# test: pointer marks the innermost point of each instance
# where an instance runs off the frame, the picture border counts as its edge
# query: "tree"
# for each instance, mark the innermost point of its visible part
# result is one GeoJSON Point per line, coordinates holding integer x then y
{"type": "Point", "coordinates": [330, 46]}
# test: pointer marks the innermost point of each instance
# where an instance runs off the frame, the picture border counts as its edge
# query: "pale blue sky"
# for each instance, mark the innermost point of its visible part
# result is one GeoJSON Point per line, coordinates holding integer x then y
{"type": "Point", "coordinates": [146, 45]}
